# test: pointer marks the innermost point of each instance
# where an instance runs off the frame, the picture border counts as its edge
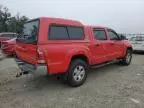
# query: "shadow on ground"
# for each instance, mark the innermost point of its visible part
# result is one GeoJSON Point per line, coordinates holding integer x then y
{"type": "Point", "coordinates": [32, 83]}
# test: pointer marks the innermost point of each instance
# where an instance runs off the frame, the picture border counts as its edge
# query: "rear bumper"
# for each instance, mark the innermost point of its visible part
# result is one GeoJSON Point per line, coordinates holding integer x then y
{"type": "Point", "coordinates": [37, 69]}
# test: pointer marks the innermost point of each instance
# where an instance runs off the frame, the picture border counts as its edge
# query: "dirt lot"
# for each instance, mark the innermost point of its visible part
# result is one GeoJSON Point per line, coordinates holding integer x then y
{"type": "Point", "coordinates": [111, 86]}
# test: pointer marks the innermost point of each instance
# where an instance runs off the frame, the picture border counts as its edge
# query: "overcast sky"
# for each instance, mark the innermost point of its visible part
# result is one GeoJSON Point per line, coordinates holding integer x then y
{"type": "Point", "coordinates": [126, 16]}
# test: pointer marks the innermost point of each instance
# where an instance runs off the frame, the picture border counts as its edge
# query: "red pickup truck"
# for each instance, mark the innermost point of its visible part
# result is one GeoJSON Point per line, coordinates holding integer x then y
{"type": "Point", "coordinates": [68, 48]}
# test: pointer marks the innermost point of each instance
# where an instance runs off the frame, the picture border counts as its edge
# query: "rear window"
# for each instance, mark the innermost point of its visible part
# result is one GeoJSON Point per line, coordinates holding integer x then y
{"type": "Point", "coordinates": [57, 32]}
{"type": "Point", "coordinates": [30, 32]}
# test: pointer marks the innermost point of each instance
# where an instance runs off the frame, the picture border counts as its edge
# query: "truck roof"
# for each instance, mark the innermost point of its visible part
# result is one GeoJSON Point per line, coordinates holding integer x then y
{"type": "Point", "coordinates": [96, 26]}
{"type": "Point", "coordinates": [52, 19]}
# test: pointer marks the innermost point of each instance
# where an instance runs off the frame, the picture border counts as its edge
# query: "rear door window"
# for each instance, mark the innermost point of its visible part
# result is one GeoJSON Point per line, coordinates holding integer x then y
{"type": "Point", "coordinates": [100, 34]}
{"type": "Point", "coordinates": [76, 33]}
{"type": "Point", "coordinates": [58, 33]}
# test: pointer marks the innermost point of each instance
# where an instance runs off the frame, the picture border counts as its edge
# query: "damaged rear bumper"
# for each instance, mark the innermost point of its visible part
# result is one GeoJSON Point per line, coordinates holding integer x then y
{"type": "Point", "coordinates": [38, 69]}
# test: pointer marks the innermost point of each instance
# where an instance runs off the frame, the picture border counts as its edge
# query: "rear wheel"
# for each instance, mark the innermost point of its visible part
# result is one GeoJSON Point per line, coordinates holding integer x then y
{"type": "Point", "coordinates": [128, 57]}
{"type": "Point", "coordinates": [77, 73]}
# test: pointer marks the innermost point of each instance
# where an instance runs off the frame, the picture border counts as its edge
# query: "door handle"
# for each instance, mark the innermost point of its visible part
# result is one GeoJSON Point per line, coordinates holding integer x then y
{"type": "Point", "coordinates": [23, 48]}
{"type": "Point", "coordinates": [112, 43]}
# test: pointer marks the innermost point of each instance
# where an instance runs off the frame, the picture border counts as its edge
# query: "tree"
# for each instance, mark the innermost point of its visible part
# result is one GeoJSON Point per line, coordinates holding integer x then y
{"type": "Point", "coordinates": [16, 23]}
{"type": "Point", "coordinates": [4, 18]}
{"type": "Point", "coordinates": [10, 23]}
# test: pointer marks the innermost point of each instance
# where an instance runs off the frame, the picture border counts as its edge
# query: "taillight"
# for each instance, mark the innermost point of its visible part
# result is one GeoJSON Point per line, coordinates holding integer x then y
{"type": "Point", "coordinates": [41, 59]}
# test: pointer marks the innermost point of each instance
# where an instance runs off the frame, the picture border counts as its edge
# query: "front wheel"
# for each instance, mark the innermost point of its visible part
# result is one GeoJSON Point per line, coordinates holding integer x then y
{"type": "Point", "coordinates": [128, 57]}
{"type": "Point", "coordinates": [77, 73]}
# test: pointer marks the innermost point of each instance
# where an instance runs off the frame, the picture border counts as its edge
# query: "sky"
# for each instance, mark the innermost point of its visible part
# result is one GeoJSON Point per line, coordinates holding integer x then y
{"type": "Point", "coordinates": [124, 16]}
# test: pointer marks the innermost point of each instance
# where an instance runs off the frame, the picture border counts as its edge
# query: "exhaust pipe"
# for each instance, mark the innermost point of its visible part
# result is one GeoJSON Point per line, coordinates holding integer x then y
{"type": "Point", "coordinates": [21, 73]}
{"type": "Point", "coordinates": [21, 64]}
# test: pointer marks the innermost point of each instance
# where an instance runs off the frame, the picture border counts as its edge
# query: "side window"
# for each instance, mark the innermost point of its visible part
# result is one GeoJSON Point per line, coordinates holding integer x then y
{"type": "Point", "coordinates": [58, 33]}
{"type": "Point", "coordinates": [76, 33]}
{"type": "Point", "coordinates": [113, 35]}
{"type": "Point", "coordinates": [100, 34]}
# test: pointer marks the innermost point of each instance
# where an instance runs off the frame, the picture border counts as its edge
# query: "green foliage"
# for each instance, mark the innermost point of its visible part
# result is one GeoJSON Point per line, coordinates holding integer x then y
{"type": "Point", "coordinates": [9, 23]}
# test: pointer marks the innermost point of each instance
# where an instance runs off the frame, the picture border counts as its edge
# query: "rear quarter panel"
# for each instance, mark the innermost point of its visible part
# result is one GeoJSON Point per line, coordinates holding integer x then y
{"type": "Point", "coordinates": [58, 54]}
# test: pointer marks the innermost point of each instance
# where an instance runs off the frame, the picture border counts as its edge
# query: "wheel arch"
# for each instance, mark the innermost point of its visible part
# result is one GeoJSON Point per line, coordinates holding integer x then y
{"type": "Point", "coordinates": [80, 56]}
{"type": "Point", "coordinates": [130, 48]}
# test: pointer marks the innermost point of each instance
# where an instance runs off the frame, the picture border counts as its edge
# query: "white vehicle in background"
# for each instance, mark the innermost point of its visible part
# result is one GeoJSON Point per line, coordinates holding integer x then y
{"type": "Point", "coordinates": [137, 43]}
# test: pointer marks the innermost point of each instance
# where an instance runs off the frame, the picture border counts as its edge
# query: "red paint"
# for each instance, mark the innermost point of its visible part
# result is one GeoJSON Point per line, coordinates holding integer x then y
{"type": "Point", "coordinates": [8, 46]}
{"type": "Point", "coordinates": [7, 36]}
{"type": "Point", "coordinates": [57, 54]}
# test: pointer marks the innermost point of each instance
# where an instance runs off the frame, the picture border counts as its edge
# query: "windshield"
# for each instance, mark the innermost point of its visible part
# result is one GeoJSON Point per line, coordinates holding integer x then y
{"type": "Point", "coordinates": [30, 32]}
{"type": "Point", "coordinates": [137, 39]}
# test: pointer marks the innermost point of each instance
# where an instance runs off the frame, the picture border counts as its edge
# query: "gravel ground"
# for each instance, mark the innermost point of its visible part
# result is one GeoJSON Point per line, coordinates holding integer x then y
{"type": "Point", "coordinates": [111, 86]}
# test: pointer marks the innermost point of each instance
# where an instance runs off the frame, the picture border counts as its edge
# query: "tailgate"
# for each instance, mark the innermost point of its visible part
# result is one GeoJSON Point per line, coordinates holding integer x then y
{"type": "Point", "coordinates": [26, 43]}
{"type": "Point", "coordinates": [27, 52]}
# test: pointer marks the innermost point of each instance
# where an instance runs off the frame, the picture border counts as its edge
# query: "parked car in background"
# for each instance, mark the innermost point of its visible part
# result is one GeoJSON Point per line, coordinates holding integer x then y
{"type": "Point", "coordinates": [137, 43]}
{"type": "Point", "coordinates": [123, 37]}
{"type": "Point", "coordinates": [8, 46]}
{"type": "Point", "coordinates": [6, 36]}
{"type": "Point", "coordinates": [68, 48]}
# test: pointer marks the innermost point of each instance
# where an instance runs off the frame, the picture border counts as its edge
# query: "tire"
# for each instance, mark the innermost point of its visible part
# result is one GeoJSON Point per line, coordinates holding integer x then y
{"type": "Point", "coordinates": [127, 59]}
{"type": "Point", "coordinates": [77, 73]}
